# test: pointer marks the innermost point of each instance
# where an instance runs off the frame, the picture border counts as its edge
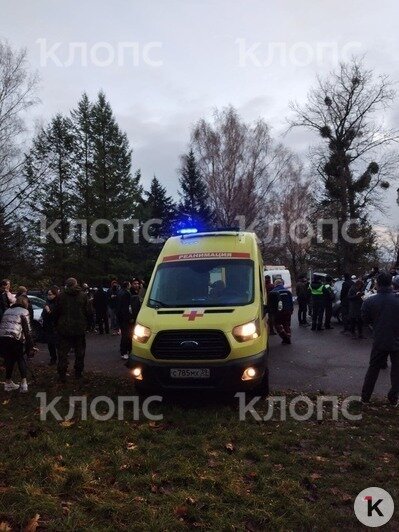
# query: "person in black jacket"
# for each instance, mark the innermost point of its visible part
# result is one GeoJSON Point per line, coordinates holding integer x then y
{"type": "Point", "coordinates": [302, 292]}
{"type": "Point", "coordinates": [49, 325]}
{"type": "Point", "coordinates": [382, 312]}
{"type": "Point", "coordinates": [100, 303]}
{"type": "Point", "coordinates": [112, 296]}
{"type": "Point", "coordinates": [346, 286]}
{"type": "Point", "coordinates": [355, 298]}
{"type": "Point", "coordinates": [124, 317]}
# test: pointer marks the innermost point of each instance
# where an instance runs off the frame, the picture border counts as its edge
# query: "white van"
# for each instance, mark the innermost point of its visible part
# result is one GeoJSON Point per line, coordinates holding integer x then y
{"type": "Point", "coordinates": [279, 272]}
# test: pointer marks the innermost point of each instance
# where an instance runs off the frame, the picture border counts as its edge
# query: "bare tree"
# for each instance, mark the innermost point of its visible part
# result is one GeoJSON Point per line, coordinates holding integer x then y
{"type": "Point", "coordinates": [239, 163]}
{"type": "Point", "coordinates": [389, 247]}
{"type": "Point", "coordinates": [17, 95]}
{"type": "Point", "coordinates": [352, 162]}
{"type": "Point", "coordinates": [285, 237]}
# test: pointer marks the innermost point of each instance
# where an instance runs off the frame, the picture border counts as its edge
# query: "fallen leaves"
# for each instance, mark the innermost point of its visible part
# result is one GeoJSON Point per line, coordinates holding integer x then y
{"type": "Point", "coordinates": [67, 423]}
{"type": "Point", "coordinates": [5, 527]}
{"type": "Point", "coordinates": [341, 495]}
{"type": "Point", "coordinates": [229, 448]}
{"type": "Point", "coordinates": [32, 524]}
{"type": "Point", "coordinates": [162, 489]}
{"type": "Point", "coordinates": [181, 512]}
{"type": "Point", "coordinates": [66, 507]}
{"type": "Point", "coordinates": [131, 446]}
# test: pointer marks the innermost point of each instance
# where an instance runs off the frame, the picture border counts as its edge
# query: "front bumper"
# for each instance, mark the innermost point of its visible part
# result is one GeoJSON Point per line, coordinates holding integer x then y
{"type": "Point", "coordinates": [224, 375]}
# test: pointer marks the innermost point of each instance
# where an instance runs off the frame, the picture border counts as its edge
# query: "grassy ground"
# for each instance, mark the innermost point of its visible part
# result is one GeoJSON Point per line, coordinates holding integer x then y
{"type": "Point", "coordinates": [200, 467]}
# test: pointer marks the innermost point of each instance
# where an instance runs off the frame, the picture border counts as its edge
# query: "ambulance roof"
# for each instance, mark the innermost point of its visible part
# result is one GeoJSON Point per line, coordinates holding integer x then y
{"type": "Point", "coordinates": [210, 245]}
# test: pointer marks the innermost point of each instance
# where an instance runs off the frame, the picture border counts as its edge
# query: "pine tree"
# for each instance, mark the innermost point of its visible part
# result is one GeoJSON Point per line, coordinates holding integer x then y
{"type": "Point", "coordinates": [83, 156]}
{"type": "Point", "coordinates": [115, 193]}
{"type": "Point", "coordinates": [193, 207]}
{"type": "Point", "coordinates": [160, 206]}
{"type": "Point", "coordinates": [52, 197]}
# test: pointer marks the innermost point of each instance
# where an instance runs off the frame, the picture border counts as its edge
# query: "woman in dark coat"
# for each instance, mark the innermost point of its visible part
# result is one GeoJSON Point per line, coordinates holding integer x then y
{"type": "Point", "coordinates": [355, 298]}
{"type": "Point", "coordinates": [49, 324]}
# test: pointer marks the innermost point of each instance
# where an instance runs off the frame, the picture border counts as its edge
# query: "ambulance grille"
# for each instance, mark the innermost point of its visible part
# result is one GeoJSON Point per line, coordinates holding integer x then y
{"type": "Point", "coordinates": [190, 345]}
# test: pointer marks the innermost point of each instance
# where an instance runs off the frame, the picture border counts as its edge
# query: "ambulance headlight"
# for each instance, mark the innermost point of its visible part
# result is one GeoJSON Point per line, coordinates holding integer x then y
{"type": "Point", "coordinates": [141, 333]}
{"type": "Point", "coordinates": [247, 331]}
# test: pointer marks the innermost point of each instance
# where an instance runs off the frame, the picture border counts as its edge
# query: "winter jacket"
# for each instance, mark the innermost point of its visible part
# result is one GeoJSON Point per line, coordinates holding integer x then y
{"type": "Point", "coordinates": [100, 301]}
{"type": "Point", "coordinates": [49, 321]}
{"type": "Point", "coordinates": [113, 297]}
{"type": "Point", "coordinates": [382, 312]}
{"type": "Point", "coordinates": [302, 291]}
{"type": "Point", "coordinates": [280, 293]}
{"type": "Point", "coordinates": [15, 324]}
{"type": "Point", "coordinates": [72, 312]}
{"type": "Point", "coordinates": [355, 303]}
{"type": "Point", "coordinates": [317, 290]}
{"type": "Point", "coordinates": [346, 286]}
{"type": "Point", "coordinates": [269, 287]}
{"type": "Point", "coordinates": [329, 294]}
{"type": "Point", "coordinates": [123, 307]}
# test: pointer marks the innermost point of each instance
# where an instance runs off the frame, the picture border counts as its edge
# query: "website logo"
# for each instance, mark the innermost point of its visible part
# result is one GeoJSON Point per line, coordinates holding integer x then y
{"type": "Point", "coordinates": [374, 507]}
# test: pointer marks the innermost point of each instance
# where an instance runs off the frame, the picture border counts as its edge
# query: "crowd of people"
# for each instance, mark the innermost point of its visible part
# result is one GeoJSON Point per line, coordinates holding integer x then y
{"type": "Point", "coordinates": [371, 300]}
{"type": "Point", "coordinates": [315, 299]}
{"type": "Point", "coordinates": [67, 316]}
{"type": "Point", "coordinates": [69, 313]}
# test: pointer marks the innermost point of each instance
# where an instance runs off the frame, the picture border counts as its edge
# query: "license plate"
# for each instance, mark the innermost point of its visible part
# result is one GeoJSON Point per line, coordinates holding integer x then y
{"type": "Point", "coordinates": [184, 373]}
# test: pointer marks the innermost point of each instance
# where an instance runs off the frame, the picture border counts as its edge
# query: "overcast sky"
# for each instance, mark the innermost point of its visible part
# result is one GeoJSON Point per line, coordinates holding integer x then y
{"type": "Point", "coordinates": [194, 55]}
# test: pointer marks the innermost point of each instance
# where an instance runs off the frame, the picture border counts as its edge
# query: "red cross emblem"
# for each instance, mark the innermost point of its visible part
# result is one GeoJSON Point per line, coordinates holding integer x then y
{"type": "Point", "coordinates": [191, 314]}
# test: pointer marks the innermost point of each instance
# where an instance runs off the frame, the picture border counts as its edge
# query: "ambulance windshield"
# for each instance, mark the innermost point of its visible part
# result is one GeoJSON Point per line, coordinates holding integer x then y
{"type": "Point", "coordinates": [203, 283]}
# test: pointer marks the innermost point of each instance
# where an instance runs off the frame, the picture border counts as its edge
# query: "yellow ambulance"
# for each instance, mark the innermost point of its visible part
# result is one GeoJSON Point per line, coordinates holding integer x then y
{"type": "Point", "coordinates": [202, 321]}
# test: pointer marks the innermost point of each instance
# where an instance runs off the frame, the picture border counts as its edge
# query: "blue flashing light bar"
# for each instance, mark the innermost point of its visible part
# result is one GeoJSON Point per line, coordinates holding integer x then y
{"type": "Point", "coordinates": [187, 231]}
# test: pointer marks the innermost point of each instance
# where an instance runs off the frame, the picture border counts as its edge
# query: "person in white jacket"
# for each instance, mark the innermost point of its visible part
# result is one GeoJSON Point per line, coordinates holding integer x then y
{"type": "Point", "coordinates": [15, 342]}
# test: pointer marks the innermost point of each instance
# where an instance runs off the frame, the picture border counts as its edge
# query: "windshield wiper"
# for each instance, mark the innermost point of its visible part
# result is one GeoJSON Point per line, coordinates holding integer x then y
{"type": "Point", "coordinates": [158, 303]}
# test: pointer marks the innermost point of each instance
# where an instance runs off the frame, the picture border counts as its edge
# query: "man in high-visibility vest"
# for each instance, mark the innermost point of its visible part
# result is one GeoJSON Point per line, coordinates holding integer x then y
{"type": "Point", "coordinates": [318, 294]}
